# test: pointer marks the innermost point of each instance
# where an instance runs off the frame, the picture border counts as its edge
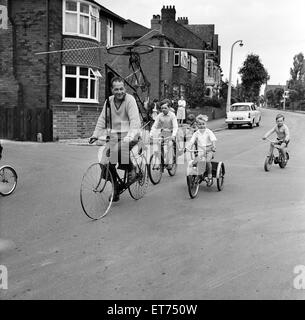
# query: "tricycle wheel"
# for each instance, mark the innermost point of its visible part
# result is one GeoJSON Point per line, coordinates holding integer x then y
{"type": "Point", "coordinates": [220, 176]}
{"type": "Point", "coordinates": [192, 185]}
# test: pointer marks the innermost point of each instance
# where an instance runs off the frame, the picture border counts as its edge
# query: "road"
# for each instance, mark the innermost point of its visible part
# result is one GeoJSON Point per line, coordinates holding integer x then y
{"type": "Point", "coordinates": [241, 243]}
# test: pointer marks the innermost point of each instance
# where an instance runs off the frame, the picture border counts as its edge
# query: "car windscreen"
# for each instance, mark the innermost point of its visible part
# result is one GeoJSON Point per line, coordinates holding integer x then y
{"type": "Point", "coordinates": [240, 108]}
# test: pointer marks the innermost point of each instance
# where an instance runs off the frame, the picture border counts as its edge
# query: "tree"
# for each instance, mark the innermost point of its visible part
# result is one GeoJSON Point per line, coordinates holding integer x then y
{"type": "Point", "coordinates": [296, 84]}
{"type": "Point", "coordinates": [253, 76]}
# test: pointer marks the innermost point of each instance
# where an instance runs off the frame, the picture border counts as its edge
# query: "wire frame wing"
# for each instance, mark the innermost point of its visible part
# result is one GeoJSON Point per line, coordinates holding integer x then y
{"type": "Point", "coordinates": [147, 36]}
{"type": "Point", "coordinates": [184, 49]}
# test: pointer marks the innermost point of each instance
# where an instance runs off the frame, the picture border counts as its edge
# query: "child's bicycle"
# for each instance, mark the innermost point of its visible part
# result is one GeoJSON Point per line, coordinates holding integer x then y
{"type": "Point", "coordinates": [280, 159]}
{"type": "Point", "coordinates": [196, 178]}
{"type": "Point", "coordinates": [8, 178]}
{"type": "Point", "coordinates": [97, 187]}
{"type": "Point", "coordinates": [157, 163]}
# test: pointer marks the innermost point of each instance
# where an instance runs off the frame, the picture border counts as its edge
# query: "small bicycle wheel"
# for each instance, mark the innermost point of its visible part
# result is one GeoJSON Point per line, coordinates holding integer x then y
{"type": "Point", "coordinates": [268, 163]}
{"type": "Point", "coordinates": [192, 185]}
{"type": "Point", "coordinates": [154, 169]}
{"type": "Point", "coordinates": [96, 191]}
{"type": "Point", "coordinates": [220, 176]}
{"type": "Point", "coordinates": [283, 161]}
{"type": "Point", "coordinates": [8, 180]}
{"type": "Point", "coordinates": [138, 189]}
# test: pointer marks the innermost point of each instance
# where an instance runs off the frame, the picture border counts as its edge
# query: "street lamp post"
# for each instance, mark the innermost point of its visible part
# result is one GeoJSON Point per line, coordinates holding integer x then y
{"type": "Point", "coordinates": [230, 75]}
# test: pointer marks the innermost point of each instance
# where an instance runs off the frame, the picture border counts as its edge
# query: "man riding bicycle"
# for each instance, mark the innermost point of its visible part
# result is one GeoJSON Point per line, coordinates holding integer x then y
{"type": "Point", "coordinates": [283, 135]}
{"type": "Point", "coordinates": [167, 122]}
{"type": "Point", "coordinates": [120, 120]}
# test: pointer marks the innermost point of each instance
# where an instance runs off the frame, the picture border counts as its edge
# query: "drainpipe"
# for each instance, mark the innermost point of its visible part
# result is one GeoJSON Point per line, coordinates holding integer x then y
{"type": "Point", "coordinates": [47, 56]}
{"type": "Point", "coordinates": [160, 70]}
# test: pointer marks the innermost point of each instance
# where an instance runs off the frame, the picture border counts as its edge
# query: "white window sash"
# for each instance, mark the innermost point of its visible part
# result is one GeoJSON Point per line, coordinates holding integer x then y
{"type": "Point", "coordinates": [78, 77]}
{"type": "Point", "coordinates": [89, 15]}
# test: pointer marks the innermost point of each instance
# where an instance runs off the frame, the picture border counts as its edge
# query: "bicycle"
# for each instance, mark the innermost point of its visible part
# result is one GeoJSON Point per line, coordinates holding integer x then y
{"type": "Point", "coordinates": [157, 164]}
{"type": "Point", "coordinates": [97, 186]}
{"type": "Point", "coordinates": [280, 159]}
{"type": "Point", "coordinates": [196, 178]}
{"type": "Point", "coordinates": [8, 178]}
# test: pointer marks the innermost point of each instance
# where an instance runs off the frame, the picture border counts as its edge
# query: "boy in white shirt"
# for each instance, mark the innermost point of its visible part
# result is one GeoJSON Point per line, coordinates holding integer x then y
{"type": "Point", "coordinates": [205, 140]}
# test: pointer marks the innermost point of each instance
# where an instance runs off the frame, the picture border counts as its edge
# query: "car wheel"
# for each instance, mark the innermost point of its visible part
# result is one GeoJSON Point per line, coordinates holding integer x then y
{"type": "Point", "coordinates": [230, 126]}
{"type": "Point", "coordinates": [251, 125]}
{"type": "Point", "coordinates": [259, 120]}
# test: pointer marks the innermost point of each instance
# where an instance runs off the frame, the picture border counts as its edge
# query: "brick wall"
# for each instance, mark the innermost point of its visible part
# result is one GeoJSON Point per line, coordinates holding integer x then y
{"type": "Point", "coordinates": [9, 88]}
{"type": "Point", "coordinates": [74, 122]}
{"type": "Point", "coordinates": [29, 19]}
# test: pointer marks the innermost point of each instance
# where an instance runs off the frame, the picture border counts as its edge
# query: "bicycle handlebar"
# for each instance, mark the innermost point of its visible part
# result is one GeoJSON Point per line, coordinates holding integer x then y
{"type": "Point", "coordinates": [162, 138]}
{"type": "Point", "coordinates": [194, 150]}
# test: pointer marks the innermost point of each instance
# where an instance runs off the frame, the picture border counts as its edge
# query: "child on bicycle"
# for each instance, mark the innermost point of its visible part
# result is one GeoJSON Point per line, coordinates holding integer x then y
{"type": "Point", "coordinates": [167, 122]}
{"type": "Point", "coordinates": [204, 140]}
{"type": "Point", "coordinates": [282, 132]}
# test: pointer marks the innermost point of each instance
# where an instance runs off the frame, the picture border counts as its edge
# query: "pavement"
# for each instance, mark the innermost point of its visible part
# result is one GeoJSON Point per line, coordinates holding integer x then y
{"type": "Point", "coordinates": [215, 125]}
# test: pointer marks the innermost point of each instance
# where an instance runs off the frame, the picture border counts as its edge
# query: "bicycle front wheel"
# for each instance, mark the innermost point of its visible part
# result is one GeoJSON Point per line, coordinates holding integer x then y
{"type": "Point", "coordinates": [138, 189]}
{"type": "Point", "coordinates": [8, 180]}
{"type": "Point", "coordinates": [268, 163]}
{"type": "Point", "coordinates": [192, 185]}
{"type": "Point", "coordinates": [154, 169]}
{"type": "Point", "coordinates": [96, 191]}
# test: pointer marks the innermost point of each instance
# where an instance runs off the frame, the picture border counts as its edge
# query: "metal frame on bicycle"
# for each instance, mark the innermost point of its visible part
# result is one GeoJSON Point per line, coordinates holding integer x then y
{"type": "Point", "coordinates": [156, 168]}
{"type": "Point", "coordinates": [98, 184]}
{"type": "Point", "coordinates": [281, 159]}
{"type": "Point", "coordinates": [193, 181]}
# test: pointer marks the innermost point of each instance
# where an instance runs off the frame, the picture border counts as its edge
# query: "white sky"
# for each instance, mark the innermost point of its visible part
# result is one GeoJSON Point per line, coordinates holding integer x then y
{"type": "Point", "coordinates": [272, 29]}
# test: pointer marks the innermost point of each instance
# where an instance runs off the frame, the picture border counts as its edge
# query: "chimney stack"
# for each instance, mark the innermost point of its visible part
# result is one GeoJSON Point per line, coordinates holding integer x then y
{"type": "Point", "coordinates": [155, 22]}
{"type": "Point", "coordinates": [183, 20]}
{"type": "Point", "coordinates": [168, 13]}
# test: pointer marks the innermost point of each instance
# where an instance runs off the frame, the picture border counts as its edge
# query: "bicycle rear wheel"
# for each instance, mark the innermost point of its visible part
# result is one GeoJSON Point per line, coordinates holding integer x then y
{"type": "Point", "coordinates": [96, 191]}
{"type": "Point", "coordinates": [283, 160]}
{"type": "Point", "coordinates": [8, 180]}
{"type": "Point", "coordinates": [154, 169]}
{"type": "Point", "coordinates": [173, 169]}
{"type": "Point", "coordinates": [138, 189]}
{"type": "Point", "coordinates": [192, 185]}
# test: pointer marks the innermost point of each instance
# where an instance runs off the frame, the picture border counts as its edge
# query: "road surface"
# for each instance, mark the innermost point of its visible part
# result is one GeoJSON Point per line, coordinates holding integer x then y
{"type": "Point", "coordinates": [241, 243]}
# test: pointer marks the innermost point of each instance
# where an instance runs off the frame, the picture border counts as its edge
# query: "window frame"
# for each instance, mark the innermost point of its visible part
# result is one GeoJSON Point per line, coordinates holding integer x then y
{"type": "Point", "coordinates": [176, 58]}
{"type": "Point", "coordinates": [90, 15]}
{"type": "Point", "coordinates": [110, 33]}
{"type": "Point", "coordinates": [78, 77]}
{"type": "Point", "coordinates": [193, 60]}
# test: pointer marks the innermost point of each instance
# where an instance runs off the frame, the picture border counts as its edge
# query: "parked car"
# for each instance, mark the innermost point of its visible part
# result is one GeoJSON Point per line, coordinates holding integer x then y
{"type": "Point", "coordinates": [243, 113]}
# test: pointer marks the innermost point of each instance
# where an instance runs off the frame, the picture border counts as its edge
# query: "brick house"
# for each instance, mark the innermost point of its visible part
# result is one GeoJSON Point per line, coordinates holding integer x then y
{"type": "Point", "coordinates": [58, 94]}
{"type": "Point", "coordinates": [190, 66]}
{"type": "Point", "coordinates": [170, 72]}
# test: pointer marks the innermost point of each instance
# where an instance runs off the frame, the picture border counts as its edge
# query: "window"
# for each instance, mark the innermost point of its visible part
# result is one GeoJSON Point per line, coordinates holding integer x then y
{"type": "Point", "coordinates": [166, 56]}
{"type": "Point", "coordinates": [193, 64]}
{"type": "Point", "coordinates": [3, 17]}
{"type": "Point", "coordinates": [209, 69]}
{"type": "Point", "coordinates": [109, 32]}
{"type": "Point", "coordinates": [184, 59]}
{"type": "Point", "coordinates": [176, 58]}
{"type": "Point", "coordinates": [80, 84]}
{"type": "Point", "coordinates": [81, 18]}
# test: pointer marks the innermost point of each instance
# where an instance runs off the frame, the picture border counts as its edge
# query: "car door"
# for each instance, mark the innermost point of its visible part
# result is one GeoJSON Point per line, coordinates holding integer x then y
{"type": "Point", "coordinates": [254, 113]}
